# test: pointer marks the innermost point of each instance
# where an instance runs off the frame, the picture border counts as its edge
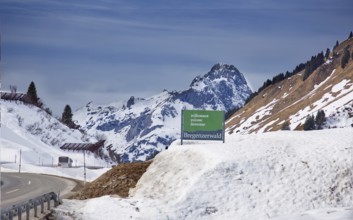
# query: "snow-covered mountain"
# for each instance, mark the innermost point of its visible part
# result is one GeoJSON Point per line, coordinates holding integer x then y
{"type": "Point", "coordinates": [38, 136]}
{"type": "Point", "coordinates": [329, 88]}
{"type": "Point", "coordinates": [140, 128]}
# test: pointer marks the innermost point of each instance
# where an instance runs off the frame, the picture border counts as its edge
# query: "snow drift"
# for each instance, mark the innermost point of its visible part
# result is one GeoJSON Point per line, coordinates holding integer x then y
{"type": "Point", "coordinates": [258, 176]}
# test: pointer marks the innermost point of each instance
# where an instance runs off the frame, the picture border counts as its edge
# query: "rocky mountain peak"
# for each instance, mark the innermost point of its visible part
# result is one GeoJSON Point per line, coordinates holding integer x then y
{"type": "Point", "coordinates": [220, 72]}
{"type": "Point", "coordinates": [148, 126]}
{"type": "Point", "coordinates": [222, 67]}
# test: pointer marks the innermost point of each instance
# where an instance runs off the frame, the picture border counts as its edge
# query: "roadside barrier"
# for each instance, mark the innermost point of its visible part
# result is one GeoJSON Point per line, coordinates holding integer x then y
{"type": "Point", "coordinates": [9, 213]}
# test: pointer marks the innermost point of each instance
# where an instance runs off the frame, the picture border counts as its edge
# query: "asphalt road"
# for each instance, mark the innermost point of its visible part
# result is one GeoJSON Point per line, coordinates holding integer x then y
{"type": "Point", "coordinates": [22, 187]}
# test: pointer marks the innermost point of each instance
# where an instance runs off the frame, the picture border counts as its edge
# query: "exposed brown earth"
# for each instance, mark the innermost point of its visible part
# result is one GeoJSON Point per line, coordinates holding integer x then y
{"type": "Point", "coordinates": [291, 95]}
{"type": "Point", "coordinates": [116, 181]}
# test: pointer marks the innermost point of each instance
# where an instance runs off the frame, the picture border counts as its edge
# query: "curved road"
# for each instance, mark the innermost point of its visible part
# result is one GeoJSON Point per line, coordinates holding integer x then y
{"type": "Point", "coordinates": [21, 187]}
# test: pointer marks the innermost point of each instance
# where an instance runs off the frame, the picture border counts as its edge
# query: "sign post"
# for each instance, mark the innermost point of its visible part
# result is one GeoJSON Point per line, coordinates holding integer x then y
{"type": "Point", "coordinates": [202, 125]}
{"type": "Point", "coordinates": [182, 127]}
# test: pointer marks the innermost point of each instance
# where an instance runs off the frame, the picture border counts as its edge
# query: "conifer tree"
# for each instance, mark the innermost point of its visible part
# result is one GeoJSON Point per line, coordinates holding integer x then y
{"type": "Point", "coordinates": [287, 75]}
{"type": "Point", "coordinates": [336, 45]}
{"type": "Point", "coordinates": [313, 64]}
{"type": "Point", "coordinates": [66, 117]}
{"type": "Point", "coordinates": [320, 119]}
{"type": "Point", "coordinates": [327, 54]}
{"type": "Point", "coordinates": [309, 123]}
{"type": "Point", "coordinates": [345, 57]}
{"type": "Point", "coordinates": [229, 113]}
{"type": "Point", "coordinates": [350, 35]}
{"type": "Point", "coordinates": [32, 94]}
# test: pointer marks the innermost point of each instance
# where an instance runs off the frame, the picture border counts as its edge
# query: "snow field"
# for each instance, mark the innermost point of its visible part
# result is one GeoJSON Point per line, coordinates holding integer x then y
{"type": "Point", "coordinates": [322, 214]}
{"type": "Point", "coordinates": [37, 155]}
{"type": "Point", "coordinates": [260, 176]}
{"type": "Point", "coordinates": [264, 176]}
{"type": "Point", "coordinates": [275, 175]}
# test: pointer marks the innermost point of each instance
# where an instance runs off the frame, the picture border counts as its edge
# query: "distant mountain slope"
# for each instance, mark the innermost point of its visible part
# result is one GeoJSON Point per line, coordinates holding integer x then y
{"type": "Point", "coordinates": [39, 135]}
{"type": "Point", "coordinates": [328, 88]}
{"type": "Point", "coordinates": [140, 128]}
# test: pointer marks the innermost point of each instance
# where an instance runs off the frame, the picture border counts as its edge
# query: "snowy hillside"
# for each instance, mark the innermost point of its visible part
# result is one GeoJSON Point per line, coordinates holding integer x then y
{"type": "Point", "coordinates": [329, 88]}
{"type": "Point", "coordinates": [336, 102]}
{"type": "Point", "coordinates": [38, 136]}
{"type": "Point", "coordinates": [257, 176]}
{"type": "Point", "coordinates": [140, 128]}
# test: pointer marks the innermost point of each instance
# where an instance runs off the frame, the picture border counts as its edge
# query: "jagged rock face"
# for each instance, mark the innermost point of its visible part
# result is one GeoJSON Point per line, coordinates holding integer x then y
{"type": "Point", "coordinates": [224, 83]}
{"type": "Point", "coordinates": [140, 128]}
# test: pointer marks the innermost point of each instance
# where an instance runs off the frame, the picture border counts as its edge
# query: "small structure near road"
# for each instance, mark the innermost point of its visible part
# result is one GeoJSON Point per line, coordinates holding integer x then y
{"type": "Point", "coordinates": [14, 96]}
{"type": "Point", "coordinates": [92, 147]}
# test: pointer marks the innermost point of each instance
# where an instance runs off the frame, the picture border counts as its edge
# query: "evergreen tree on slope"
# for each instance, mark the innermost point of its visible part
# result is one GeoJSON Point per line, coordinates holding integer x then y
{"type": "Point", "coordinates": [320, 119]}
{"type": "Point", "coordinates": [32, 94]}
{"type": "Point", "coordinates": [345, 57]}
{"type": "Point", "coordinates": [309, 123]}
{"type": "Point", "coordinates": [66, 117]}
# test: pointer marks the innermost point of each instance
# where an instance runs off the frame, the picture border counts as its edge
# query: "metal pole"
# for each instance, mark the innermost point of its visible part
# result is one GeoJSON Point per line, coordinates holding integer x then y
{"type": "Point", "coordinates": [19, 166]}
{"type": "Point", "coordinates": [57, 199]}
{"type": "Point", "coordinates": [84, 168]}
{"type": "Point", "coordinates": [27, 211]}
{"type": "Point", "coordinates": [11, 215]}
{"type": "Point", "coordinates": [182, 127]}
{"type": "Point", "coordinates": [42, 200]}
{"type": "Point", "coordinates": [48, 201]}
{"type": "Point", "coordinates": [224, 135]}
{"type": "Point", "coordinates": [35, 208]}
{"type": "Point", "coordinates": [19, 212]}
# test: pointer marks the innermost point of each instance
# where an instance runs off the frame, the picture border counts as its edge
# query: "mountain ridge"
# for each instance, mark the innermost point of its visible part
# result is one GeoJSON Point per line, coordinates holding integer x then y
{"type": "Point", "coordinates": [140, 128]}
{"type": "Point", "coordinates": [294, 98]}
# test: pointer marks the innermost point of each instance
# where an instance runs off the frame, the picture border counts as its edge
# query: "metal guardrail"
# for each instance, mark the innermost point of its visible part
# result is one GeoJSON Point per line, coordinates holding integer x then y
{"type": "Point", "coordinates": [9, 213]}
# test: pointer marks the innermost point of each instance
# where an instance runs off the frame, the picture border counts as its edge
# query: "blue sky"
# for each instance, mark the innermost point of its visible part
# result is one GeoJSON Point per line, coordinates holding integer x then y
{"type": "Point", "coordinates": [108, 50]}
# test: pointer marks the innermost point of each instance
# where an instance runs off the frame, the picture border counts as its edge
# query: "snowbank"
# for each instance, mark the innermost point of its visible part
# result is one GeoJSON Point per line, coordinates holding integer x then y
{"type": "Point", "coordinates": [258, 176]}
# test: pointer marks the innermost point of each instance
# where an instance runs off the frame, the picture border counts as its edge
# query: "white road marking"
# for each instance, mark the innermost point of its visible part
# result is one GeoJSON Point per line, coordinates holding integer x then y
{"type": "Point", "coordinates": [12, 191]}
{"type": "Point", "coordinates": [29, 182]}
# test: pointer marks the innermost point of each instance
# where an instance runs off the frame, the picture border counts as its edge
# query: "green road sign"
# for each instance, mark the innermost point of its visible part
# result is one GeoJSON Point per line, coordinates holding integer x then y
{"type": "Point", "coordinates": [202, 125]}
